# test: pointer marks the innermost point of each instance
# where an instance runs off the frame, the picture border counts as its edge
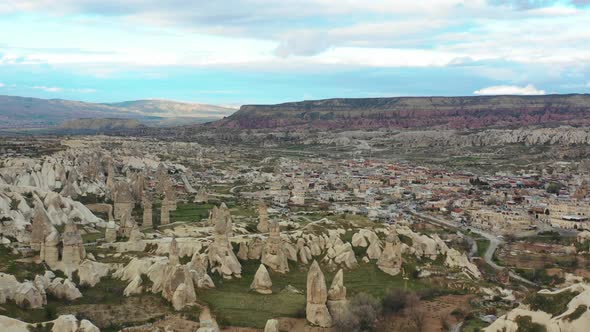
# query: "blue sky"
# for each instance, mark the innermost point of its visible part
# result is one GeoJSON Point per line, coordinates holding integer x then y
{"type": "Point", "coordinates": [233, 52]}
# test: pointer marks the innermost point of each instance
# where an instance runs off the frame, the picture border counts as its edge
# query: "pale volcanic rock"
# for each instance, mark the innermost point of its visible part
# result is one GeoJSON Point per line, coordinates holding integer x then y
{"type": "Point", "coordinates": [206, 322]}
{"type": "Point", "coordinates": [460, 260]}
{"type": "Point", "coordinates": [255, 248]}
{"type": "Point", "coordinates": [41, 226]}
{"type": "Point", "coordinates": [134, 287]}
{"type": "Point", "coordinates": [337, 290]}
{"type": "Point", "coordinates": [198, 268]}
{"type": "Point", "coordinates": [390, 260]}
{"type": "Point", "coordinates": [337, 303]}
{"type": "Point", "coordinates": [314, 245]}
{"type": "Point", "coordinates": [564, 322]}
{"type": "Point", "coordinates": [422, 245]}
{"type": "Point", "coordinates": [91, 272]}
{"type": "Point", "coordinates": [186, 246]}
{"type": "Point", "coordinates": [290, 250]}
{"type": "Point", "coordinates": [274, 254]}
{"type": "Point", "coordinates": [184, 295]}
{"type": "Point", "coordinates": [345, 255]}
{"type": "Point", "coordinates": [243, 251]}
{"type": "Point", "coordinates": [262, 283]}
{"type": "Point", "coordinates": [220, 253]}
{"type": "Point", "coordinates": [13, 325]}
{"type": "Point", "coordinates": [304, 252]}
{"type": "Point", "coordinates": [73, 252]}
{"type": "Point", "coordinates": [173, 257]}
{"type": "Point", "coordinates": [317, 294]}
{"type": "Point", "coordinates": [69, 323]}
{"type": "Point", "coordinates": [64, 289]}
{"type": "Point", "coordinates": [110, 232]}
{"type": "Point", "coordinates": [138, 266]}
{"type": "Point", "coordinates": [26, 294]}
{"type": "Point", "coordinates": [64, 323]}
{"type": "Point", "coordinates": [358, 240]}
{"type": "Point", "coordinates": [262, 225]}
{"type": "Point", "coordinates": [374, 250]}
{"type": "Point", "coordinates": [272, 325]}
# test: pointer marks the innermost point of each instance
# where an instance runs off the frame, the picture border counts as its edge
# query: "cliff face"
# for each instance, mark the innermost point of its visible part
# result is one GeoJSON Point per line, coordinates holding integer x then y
{"type": "Point", "coordinates": [416, 113]}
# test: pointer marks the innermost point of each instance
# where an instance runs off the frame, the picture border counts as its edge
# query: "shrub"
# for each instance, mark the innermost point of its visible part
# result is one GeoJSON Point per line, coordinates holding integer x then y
{"type": "Point", "coordinates": [14, 204]}
{"type": "Point", "coordinates": [580, 310]}
{"type": "Point", "coordinates": [525, 324]}
{"type": "Point", "coordinates": [394, 301]}
{"type": "Point", "coordinates": [362, 315]}
{"type": "Point", "coordinates": [552, 304]}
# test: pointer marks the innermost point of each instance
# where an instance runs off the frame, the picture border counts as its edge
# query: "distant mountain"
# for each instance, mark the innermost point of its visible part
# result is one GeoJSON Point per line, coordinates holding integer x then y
{"type": "Point", "coordinates": [102, 124]}
{"type": "Point", "coordinates": [167, 109]}
{"type": "Point", "coordinates": [415, 113]}
{"type": "Point", "coordinates": [23, 112]}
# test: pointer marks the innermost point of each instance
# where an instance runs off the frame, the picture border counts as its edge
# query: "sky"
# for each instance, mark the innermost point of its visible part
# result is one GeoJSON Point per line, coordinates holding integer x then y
{"type": "Point", "coordinates": [234, 52]}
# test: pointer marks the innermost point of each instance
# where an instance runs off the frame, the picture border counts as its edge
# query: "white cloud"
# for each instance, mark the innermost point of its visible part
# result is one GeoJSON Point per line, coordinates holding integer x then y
{"type": "Point", "coordinates": [509, 90]}
{"type": "Point", "coordinates": [48, 88]}
{"type": "Point", "coordinates": [2, 85]}
{"type": "Point", "coordinates": [83, 90]}
{"type": "Point", "coordinates": [304, 34]}
{"type": "Point", "coordinates": [59, 89]}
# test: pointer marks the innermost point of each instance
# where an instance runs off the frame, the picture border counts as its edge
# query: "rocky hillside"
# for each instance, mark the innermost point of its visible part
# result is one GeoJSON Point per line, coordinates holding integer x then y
{"type": "Point", "coordinates": [22, 112]}
{"type": "Point", "coordinates": [100, 124]}
{"type": "Point", "coordinates": [416, 113]}
{"type": "Point", "coordinates": [167, 108]}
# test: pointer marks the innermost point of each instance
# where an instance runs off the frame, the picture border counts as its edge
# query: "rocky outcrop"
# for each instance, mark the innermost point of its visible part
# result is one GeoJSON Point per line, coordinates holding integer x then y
{"type": "Point", "coordinates": [341, 254]}
{"type": "Point", "coordinates": [91, 272]}
{"type": "Point", "coordinates": [337, 303]}
{"type": "Point", "coordinates": [262, 283]}
{"type": "Point", "coordinates": [220, 253]}
{"type": "Point", "coordinates": [262, 218]}
{"type": "Point", "coordinates": [69, 323]}
{"type": "Point", "coordinates": [274, 253]}
{"type": "Point", "coordinates": [64, 323]}
{"type": "Point", "coordinates": [414, 112]}
{"type": "Point", "coordinates": [29, 295]}
{"type": "Point", "coordinates": [460, 260]}
{"type": "Point", "coordinates": [317, 294]}
{"type": "Point", "coordinates": [206, 322]}
{"type": "Point", "coordinates": [272, 325]}
{"type": "Point", "coordinates": [134, 287]}
{"type": "Point", "coordinates": [64, 289]}
{"type": "Point", "coordinates": [390, 260]}
{"type": "Point", "coordinates": [576, 316]}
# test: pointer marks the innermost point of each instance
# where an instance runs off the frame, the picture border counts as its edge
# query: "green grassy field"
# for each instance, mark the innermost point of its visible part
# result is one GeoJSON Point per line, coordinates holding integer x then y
{"type": "Point", "coordinates": [21, 270]}
{"type": "Point", "coordinates": [93, 237]}
{"type": "Point", "coordinates": [482, 246]}
{"type": "Point", "coordinates": [234, 303]}
{"type": "Point", "coordinates": [190, 212]}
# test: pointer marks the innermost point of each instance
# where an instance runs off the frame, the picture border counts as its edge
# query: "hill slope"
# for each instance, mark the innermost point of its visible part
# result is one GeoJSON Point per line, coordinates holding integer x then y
{"type": "Point", "coordinates": [24, 112]}
{"type": "Point", "coordinates": [416, 113]}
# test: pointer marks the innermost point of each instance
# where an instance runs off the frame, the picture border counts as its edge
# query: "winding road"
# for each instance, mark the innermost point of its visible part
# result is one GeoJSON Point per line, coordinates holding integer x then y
{"type": "Point", "coordinates": [489, 254]}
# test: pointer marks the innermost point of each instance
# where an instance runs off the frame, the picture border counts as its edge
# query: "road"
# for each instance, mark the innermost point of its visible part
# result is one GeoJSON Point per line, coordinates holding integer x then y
{"type": "Point", "coordinates": [489, 254]}
{"type": "Point", "coordinates": [233, 189]}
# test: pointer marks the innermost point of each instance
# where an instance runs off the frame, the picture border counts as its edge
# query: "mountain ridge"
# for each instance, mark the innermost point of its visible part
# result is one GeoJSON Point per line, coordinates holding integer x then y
{"type": "Point", "coordinates": [467, 112]}
{"type": "Point", "coordinates": [30, 112]}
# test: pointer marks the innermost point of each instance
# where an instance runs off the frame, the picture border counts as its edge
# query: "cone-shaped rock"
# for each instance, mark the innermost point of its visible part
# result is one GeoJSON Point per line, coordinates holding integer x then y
{"type": "Point", "coordinates": [262, 283]}
{"type": "Point", "coordinates": [316, 310]}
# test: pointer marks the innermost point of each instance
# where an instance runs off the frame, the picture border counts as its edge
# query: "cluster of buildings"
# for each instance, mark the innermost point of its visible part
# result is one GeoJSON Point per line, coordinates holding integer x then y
{"type": "Point", "coordinates": [500, 203]}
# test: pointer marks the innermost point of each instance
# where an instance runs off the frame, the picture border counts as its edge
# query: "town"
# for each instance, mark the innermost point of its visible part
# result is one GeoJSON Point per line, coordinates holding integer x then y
{"type": "Point", "coordinates": [110, 233]}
